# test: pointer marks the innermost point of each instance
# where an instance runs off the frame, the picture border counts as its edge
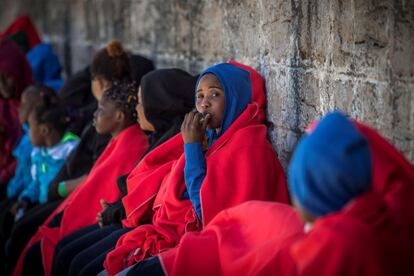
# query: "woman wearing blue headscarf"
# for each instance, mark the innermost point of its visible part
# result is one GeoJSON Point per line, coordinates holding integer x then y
{"type": "Point", "coordinates": [224, 159]}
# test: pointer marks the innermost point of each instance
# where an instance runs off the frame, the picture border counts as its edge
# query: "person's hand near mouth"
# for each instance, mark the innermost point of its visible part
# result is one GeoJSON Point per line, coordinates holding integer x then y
{"type": "Point", "coordinates": [210, 103]}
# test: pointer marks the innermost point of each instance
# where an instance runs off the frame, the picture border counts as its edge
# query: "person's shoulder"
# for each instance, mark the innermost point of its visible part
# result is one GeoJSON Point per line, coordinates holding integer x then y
{"type": "Point", "coordinates": [62, 150]}
{"type": "Point", "coordinates": [35, 151]}
{"type": "Point", "coordinates": [345, 232]}
{"type": "Point", "coordinates": [338, 243]}
{"type": "Point", "coordinates": [23, 147]}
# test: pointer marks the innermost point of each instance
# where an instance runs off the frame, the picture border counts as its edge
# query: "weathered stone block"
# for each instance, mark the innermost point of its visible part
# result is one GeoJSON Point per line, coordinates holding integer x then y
{"type": "Point", "coordinates": [316, 56]}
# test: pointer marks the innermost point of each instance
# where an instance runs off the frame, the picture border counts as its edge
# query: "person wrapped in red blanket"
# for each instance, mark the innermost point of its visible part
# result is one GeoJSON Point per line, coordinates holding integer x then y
{"type": "Point", "coordinates": [116, 115]}
{"type": "Point", "coordinates": [353, 189]}
{"type": "Point", "coordinates": [239, 165]}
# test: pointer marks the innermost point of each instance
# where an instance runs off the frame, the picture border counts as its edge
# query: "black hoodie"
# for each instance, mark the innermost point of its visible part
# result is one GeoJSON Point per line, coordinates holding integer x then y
{"type": "Point", "coordinates": [167, 95]}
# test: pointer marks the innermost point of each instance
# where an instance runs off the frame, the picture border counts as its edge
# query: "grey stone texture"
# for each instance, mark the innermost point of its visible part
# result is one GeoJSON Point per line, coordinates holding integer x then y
{"type": "Point", "coordinates": [316, 55]}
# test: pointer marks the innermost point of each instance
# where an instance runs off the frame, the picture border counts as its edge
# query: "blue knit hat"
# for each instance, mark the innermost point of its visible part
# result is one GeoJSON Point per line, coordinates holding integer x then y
{"type": "Point", "coordinates": [330, 166]}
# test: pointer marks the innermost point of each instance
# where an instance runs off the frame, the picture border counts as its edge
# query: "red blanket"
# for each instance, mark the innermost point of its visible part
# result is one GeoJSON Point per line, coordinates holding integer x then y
{"type": "Point", "coordinates": [364, 239]}
{"type": "Point", "coordinates": [373, 235]}
{"type": "Point", "coordinates": [25, 24]}
{"type": "Point", "coordinates": [222, 249]}
{"type": "Point", "coordinates": [81, 207]}
{"type": "Point", "coordinates": [144, 181]}
{"type": "Point", "coordinates": [241, 166]}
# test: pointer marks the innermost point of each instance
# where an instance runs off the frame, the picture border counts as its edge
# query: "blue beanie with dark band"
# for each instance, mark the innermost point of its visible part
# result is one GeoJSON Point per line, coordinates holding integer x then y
{"type": "Point", "coordinates": [330, 166]}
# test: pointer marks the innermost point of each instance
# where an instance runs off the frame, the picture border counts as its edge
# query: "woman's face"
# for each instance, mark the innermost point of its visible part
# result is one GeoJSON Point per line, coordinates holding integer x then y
{"type": "Point", "coordinates": [107, 117]}
{"type": "Point", "coordinates": [7, 86]}
{"type": "Point", "coordinates": [142, 120]}
{"type": "Point", "coordinates": [98, 87]}
{"type": "Point", "coordinates": [210, 99]}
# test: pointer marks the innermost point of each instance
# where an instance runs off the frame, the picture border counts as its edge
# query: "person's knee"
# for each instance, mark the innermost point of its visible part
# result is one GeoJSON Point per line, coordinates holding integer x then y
{"type": "Point", "coordinates": [77, 264]}
{"type": "Point", "coordinates": [62, 257]}
{"type": "Point", "coordinates": [87, 263]}
{"type": "Point", "coordinates": [80, 266]}
{"type": "Point", "coordinates": [32, 264]}
{"type": "Point", "coordinates": [59, 248]}
{"type": "Point", "coordinates": [8, 248]}
{"type": "Point", "coordinates": [17, 230]}
{"type": "Point", "coordinates": [90, 269]}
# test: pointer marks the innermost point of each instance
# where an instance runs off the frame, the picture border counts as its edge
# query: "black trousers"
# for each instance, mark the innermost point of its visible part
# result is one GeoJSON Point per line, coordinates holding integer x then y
{"type": "Point", "coordinates": [32, 264]}
{"type": "Point", "coordinates": [3, 190]}
{"type": "Point", "coordinates": [24, 229]}
{"type": "Point", "coordinates": [149, 267]}
{"type": "Point", "coordinates": [6, 223]}
{"type": "Point", "coordinates": [83, 252]}
{"type": "Point", "coordinates": [6, 218]}
{"type": "Point", "coordinates": [90, 261]}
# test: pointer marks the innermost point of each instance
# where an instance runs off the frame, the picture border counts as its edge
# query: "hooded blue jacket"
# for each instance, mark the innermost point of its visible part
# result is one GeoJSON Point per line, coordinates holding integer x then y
{"type": "Point", "coordinates": [46, 163]}
{"type": "Point", "coordinates": [22, 176]}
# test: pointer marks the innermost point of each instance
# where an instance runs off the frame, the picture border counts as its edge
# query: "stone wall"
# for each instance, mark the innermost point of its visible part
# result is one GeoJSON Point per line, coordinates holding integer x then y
{"type": "Point", "coordinates": [356, 55]}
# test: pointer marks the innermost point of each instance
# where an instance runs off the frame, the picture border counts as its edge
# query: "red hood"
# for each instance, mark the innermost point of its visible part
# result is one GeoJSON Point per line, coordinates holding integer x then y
{"type": "Point", "coordinates": [25, 24]}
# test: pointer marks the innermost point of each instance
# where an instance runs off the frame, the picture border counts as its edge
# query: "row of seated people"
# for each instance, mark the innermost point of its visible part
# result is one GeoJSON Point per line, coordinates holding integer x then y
{"type": "Point", "coordinates": [188, 183]}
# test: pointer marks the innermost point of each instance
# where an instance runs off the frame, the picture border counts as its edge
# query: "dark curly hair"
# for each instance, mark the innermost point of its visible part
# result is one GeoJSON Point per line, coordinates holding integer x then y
{"type": "Point", "coordinates": [50, 111]}
{"type": "Point", "coordinates": [43, 91]}
{"type": "Point", "coordinates": [112, 63]}
{"type": "Point", "coordinates": [124, 96]}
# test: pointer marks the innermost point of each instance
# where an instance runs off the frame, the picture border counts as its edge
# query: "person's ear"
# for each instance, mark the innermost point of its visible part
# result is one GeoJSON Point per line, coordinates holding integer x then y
{"type": "Point", "coordinates": [304, 215]}
{"type": "Point", "coordinates": [104, 84]}
{"type": "Point", "coordinates": [120, 116]}
{"type": "Point", "coordinates": [44, 129]}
